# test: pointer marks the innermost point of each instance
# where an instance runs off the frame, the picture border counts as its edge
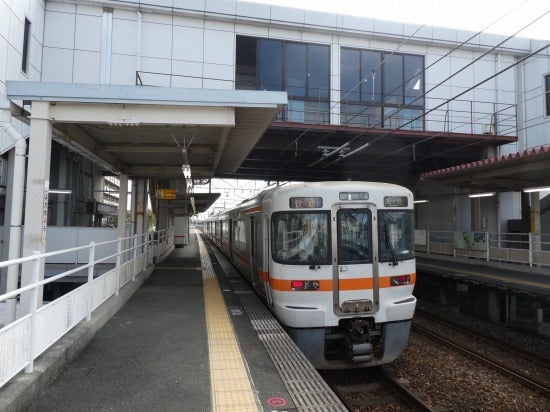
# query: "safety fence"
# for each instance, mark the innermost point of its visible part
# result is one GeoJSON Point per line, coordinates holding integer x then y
{"type": "Point", "coordinates": [520, 248]}
{"type": "Point", "coordinates": [23, 340]}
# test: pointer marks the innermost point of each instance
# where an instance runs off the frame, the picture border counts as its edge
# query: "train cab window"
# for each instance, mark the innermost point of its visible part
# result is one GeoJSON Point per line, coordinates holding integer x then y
{"type": "Point", "coordinates": [301, 238]}
{"type": "Point", "coordinates": [395, 233]}
{"type": "Point", "coordinates": [354, 236]}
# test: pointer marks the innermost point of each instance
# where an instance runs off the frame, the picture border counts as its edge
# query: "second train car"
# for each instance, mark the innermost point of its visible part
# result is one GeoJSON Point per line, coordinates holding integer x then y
{"type": "Point", "coordinates": [334, 262]}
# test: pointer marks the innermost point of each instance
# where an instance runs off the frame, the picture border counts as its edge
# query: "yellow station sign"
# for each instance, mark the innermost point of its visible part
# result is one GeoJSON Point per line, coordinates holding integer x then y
{"type": "Point", "coordinates": [165, 194]}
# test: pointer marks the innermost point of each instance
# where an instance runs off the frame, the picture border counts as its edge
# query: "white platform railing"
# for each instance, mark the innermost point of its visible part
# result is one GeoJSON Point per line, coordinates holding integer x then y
{"type": "Point", "coordinates": [23, 340]}
{"type": "Point", "coordinates": [520, 248]}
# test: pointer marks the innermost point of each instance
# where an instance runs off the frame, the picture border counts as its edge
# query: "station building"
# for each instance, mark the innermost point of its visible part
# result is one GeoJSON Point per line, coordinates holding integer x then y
{"type": "Point", "coordinates": [167, 93]}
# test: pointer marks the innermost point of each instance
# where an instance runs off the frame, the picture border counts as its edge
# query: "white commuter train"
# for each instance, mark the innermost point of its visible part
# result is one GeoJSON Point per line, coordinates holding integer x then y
{"type": "Point", "coordinates": [334, 262]}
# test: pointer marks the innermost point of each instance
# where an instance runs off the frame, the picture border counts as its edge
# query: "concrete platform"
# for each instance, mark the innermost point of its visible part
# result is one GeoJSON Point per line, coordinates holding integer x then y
{"type": "Point", "coordinates": [193, 337]}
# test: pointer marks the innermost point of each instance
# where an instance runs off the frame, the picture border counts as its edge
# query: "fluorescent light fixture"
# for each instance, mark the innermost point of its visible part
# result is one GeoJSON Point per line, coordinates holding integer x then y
{"type": "Point", "coordinates": [186, 170]}
{"type": "Point", "coordinates": [536, 189]}
{"type": "Point", "coordinates": [421, 201]}
{"type": "Point", "coordinates": [60, 191]}
{"type": "Point", "coordinates": [488, 194]}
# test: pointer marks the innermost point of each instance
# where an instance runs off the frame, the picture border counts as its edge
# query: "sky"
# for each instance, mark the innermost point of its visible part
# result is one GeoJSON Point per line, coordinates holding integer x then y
{"type": "Point", "coordinates": [472, 15]}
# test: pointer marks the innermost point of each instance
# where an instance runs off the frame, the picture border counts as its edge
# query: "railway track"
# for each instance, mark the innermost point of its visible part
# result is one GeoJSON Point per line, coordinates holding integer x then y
{"type": "Point", "coordinates": [373, 390]}
{"type": "Point", "coordinates": [491, 353]}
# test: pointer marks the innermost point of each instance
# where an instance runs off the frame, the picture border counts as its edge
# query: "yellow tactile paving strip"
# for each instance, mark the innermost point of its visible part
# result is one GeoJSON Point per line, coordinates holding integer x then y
{"type": "Point", "coordinates": [230, 382]}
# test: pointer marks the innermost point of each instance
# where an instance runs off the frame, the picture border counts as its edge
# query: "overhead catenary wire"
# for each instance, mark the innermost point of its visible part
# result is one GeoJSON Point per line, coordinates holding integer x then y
{"type": "Point", "coordinates": [454, 97]}
{"type": "Point", "coordinates": [419, 97]}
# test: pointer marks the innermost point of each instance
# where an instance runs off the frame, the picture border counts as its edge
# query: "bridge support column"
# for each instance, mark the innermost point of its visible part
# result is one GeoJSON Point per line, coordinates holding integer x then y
{"type": "Point", "coordinates": [511, 308]}
{"type": "Point", "coordinates": [38, 184]}
{"type": "Point", "coordinates": [493, 305]}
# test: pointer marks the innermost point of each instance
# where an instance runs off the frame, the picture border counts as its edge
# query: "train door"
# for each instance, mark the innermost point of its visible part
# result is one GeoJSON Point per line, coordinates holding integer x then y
{"type": "Point", "coordinates": [266, 258]}
{"type": "Point", "coordinates": [253, 251]}
{"type": "Point", "coordinates": [355, 259]}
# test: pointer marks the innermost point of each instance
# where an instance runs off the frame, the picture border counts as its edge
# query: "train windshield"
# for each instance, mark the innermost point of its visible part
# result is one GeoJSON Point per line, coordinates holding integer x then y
{"type": "Point", "coordinates": [395, 232]}
{"type": "Point", "coordinates": [301, 238]}
{"type": "Point", "coordinates": [354, 234]}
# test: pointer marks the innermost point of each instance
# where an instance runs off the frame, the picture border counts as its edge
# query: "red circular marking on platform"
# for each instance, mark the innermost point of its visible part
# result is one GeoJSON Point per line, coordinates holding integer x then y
{"type": "Point", "coordinates": [276, 402]}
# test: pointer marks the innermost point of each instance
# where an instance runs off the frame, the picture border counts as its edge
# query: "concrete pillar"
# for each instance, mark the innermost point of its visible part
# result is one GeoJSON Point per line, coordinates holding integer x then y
{"type": "Point", "coordinates": [443, 294]}
{"type": "Point", "coordinates": [36, 205]}
{"type": "Point", "coordinates": [140, 206]}
{"type": "Point", "coordinates": [539, 318]}
{"type": "Point", "coordinates": [122, 205]}
{"type": "Point", "coordinates": [493, 306]}
{"type": "Point", "coordinates": [476, 214]}
{"type": "Point", "coordinates": [535, 220]}
{"type": "Point", "coordinates": [512, 308]}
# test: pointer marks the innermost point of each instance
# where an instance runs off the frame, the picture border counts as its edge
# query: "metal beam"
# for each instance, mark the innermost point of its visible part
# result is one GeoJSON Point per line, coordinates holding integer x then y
{"type": "Point", "coordinates": [135, 115]}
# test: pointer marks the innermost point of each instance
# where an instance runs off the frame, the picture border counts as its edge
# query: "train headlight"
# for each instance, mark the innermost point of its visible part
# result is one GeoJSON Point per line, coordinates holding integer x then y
{"type": "Point", "coordinates": [304, 285]}
{"type": "Point", "coordinates": [400, 280]}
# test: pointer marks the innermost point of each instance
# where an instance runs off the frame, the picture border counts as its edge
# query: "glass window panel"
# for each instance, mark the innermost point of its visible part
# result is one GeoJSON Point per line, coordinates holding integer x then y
{"type": "Point", "coordinates": [301, 238]}
{"type": "Point", "coordinates": [395, 231]}
{"type": "Point", "coordinates": [361, 115]}
{"type": "Point", "coordinates": [354, 233]}
{"type": "Point", "coordinates": [411, 119]}
{"type": "Point", "coordinates": [414, 79]}
{"type": "Point", "coordinates": [371, 75]}
{"type": "Point", "coordinates": [318, 61]}
{"type": "Point", "coordinates": [393, 79]}
{"type": "Point", "coordinates": [349, 75]}
{"type": "Point", "coordinates": [296, 69]}
{"type": "Point", "coordinates": [316, 112]}
{"type": "Point", "coordinates": [270, 63]}
{"type": "Point", "coordinates": [547, 90]}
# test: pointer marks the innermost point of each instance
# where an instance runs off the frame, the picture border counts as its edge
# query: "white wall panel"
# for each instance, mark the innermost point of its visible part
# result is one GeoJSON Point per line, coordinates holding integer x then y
{"type": "Point", "coordinates": [220, 72]}
{"type": "Point", "coordinates": [466, 77]}
{"type": "Point", "coordinates": [314, 37]}
{"type": "Point", "coordinates": [124, 14]}
{"type": "Point", "coordinates": [59, 31]}
{"type": "Point", "coordinates": [252, 30]}
{"type": "Point", "coordinates": [86, 67]}
{"type": "Point", "coordinates": [13, 64]}
{"type": "Point", "coordinates": [61, 7]}
{"type": "Point", "coordinates": [278, 33]}
{"type": "Point", "coordinates": [189, 4]}
{"type": "Point", "coordinates": [4, 22]}
{"type": "Point", "coordinates": [15, 33]}
{"type": "Point", "coordinates": [187, 69]}
{"type": "Point", "coordinates": [320, 19]}
{"type": "Point", "coordinates": [221, 6]}
{"type": "Point", "coordinates": [88, 33]}
{"type": "Point", "coordinates": [156, 40]}
{"type": "Point", "coordinates": [188, 22]}
{"type": "Point", "coordinates": [357, 23]}
{"type": "Point", "coordinates": [89, 10]}
{"type": "Point", "coordinates": [188, 44]}
{"type": "Point", "coordinates": [156, 18]}
{"type": "Point", "coordinates": [35, 57]}
{"type": "Point", "coordinates": [219, 47]}
{"type": "Point", "coordinates": [254, 10]}
{"type": "Point", "coordinates": [57, 65]}
{"type": "Point", "coordinates": [123, 69]}
{"type": "Point", "coordinates": [36, 15]}
{"type": "Point", "coordinates": [125, 33]}
{"type": "Point", "coordinates": [4, 59]}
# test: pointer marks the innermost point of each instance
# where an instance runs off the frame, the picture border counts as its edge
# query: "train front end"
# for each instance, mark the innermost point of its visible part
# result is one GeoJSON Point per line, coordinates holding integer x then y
{"type": "Point", "coordinates": [342, 270]}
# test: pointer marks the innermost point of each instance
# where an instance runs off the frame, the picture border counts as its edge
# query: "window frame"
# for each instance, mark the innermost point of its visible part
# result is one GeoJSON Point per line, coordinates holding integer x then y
{"type": "Point", "coordinates": [25, 51]}
{"type": "Point", "coordinates": [547, 93]}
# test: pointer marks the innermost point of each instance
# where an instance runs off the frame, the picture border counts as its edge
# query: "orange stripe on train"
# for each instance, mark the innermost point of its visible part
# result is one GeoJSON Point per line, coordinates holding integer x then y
{"type": "Point", "coordinates": [326, 285]}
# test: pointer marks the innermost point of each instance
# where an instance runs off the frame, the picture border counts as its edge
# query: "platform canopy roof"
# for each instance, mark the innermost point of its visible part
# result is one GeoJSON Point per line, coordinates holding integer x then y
{"type": "Point", "coordinates": [151, 132]}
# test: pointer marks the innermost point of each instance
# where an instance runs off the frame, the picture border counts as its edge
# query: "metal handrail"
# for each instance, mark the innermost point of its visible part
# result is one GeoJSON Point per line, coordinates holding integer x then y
{"type": "Point", "coordinates": [519, 248]}
{"type": "Point", "coordinates": [32, 339]}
